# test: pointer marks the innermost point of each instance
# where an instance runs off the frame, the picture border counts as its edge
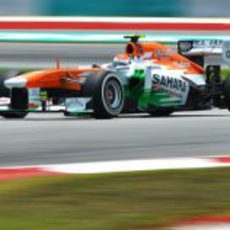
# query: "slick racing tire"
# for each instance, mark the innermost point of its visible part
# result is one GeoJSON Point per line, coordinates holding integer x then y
{"type": "Point", "coordinates": [107, 94]}
{"type": "Point", "coordinates": [160, 112]}
{"type": "Point", "coordinates": [14, 115]}
{"type": "Point", "coordinates": [226, 92]}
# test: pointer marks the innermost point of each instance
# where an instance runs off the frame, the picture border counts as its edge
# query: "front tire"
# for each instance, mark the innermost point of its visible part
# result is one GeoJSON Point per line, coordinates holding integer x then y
{"type": "Point", "coordinates": [18, 105]}
{"type": "Point", "coordinates": [14, 115]}
{"type": "Point", "coordinates": [107, 94]}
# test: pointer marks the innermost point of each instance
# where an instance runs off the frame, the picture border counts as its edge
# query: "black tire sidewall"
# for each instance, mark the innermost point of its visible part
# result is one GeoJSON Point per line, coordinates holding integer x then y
{"type": "Point", "coordinates": [95, 87]}
{"type": "Point", "coordinates": [227, 91]}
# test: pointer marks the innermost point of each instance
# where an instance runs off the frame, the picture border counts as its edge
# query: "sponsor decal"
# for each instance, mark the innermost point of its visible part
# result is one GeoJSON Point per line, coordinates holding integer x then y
{"type": "Point", "coordinates": [34, 98]}
{"type": "Point", "coordinates": [207, 44]}
{"type": "Point", "coordinates": [4, 100]}
{"type": "Point", "coordinates": [72, 78]}
{"type": "Point", "coordinates": [171, 83]}
{"type": "Point", "coordinates": [185, 46]}
{"type": "Point", "coordinates": [148, 55]}
{"type": "Point", "coordinates": [160, 53]}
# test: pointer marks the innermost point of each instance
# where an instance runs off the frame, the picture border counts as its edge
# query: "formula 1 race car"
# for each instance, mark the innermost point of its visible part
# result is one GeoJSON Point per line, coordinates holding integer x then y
{"type": "Point", "coordinates": [149, 77]}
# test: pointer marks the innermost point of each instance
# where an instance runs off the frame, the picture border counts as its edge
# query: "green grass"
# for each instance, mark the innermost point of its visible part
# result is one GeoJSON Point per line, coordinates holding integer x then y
{"type": "Point", "coordinates": [225, 73]}
{"type": "Point", "coordinates": [144, 200]}
{"type": "Point", "coordinates": [4, 71]}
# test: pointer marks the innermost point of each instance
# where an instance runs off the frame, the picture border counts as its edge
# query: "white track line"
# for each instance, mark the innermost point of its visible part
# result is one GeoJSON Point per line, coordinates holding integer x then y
{"type": "Point", "coordinates": [115, 19]}
{"type": "Point", "coordinates": [218, 226]}
{"type": "Point", "coordinates": [135, 165]}
{"type": "Point", "coordinates": [130, 165]}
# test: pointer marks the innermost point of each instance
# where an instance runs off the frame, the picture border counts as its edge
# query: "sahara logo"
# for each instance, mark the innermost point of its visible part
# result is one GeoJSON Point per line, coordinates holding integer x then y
{"type": "Point", "coordinates": [168, 82]}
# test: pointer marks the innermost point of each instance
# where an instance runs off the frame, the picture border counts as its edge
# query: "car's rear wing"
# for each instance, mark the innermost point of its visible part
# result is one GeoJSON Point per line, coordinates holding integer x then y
{"type": "Point", "coordinates": [197, 50]}
{"type": "Point", "coordinates": [200, 47]}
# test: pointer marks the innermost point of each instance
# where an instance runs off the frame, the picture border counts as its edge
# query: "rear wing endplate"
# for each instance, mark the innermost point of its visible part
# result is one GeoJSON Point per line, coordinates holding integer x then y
{"type": "Point", "coordinates": [226, 52]}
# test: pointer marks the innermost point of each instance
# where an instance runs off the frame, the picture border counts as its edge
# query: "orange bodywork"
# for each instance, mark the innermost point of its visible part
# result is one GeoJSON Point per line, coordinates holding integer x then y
{"type": "Point", "coordinates": [163, 55]}
{"type": "Point", "coordinates": [63, 79]}
{"type": "Point", "coordinates": [71, 79]}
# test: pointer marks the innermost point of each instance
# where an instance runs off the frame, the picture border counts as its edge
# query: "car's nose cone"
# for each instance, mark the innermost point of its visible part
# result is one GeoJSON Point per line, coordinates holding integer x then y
{"type": "Point", "coordinates": [16, 82]}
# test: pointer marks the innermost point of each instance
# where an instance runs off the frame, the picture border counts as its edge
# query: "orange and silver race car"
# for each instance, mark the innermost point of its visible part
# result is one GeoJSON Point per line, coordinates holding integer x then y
{"type": "Point", "coordinates": [149, 77]}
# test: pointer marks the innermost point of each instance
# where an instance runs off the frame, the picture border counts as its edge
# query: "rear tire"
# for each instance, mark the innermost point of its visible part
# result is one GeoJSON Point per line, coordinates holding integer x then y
{"type": "Point", "coordinates": [107, 94]}
{"type": "Point", "coordinates": [227, 92]}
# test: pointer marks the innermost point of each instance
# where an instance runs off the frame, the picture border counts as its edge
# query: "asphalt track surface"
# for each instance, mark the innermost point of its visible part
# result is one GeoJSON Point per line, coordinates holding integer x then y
{"type": "Point", "coordinates": [20, 55]}
{"type": "Point", "coordinates": [53, 138]}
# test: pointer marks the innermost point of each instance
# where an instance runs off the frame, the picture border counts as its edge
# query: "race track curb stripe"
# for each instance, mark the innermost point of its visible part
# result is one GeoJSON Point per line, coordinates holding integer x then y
{"type": "Point", "coordinates": [113, 23]}
{"type": "Point", "coordinates": [7, 173]}
{"type": "Point", "coordinates": [112, 26]}
{"type": "Point", "coordinates": [11, 173]}
{"type": "Point", "coordinates": [204, 223]}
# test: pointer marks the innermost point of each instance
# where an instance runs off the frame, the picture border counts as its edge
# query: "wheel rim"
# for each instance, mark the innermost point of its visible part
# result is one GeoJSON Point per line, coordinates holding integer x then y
{"type": "Point", "coordinates": [113, 94]}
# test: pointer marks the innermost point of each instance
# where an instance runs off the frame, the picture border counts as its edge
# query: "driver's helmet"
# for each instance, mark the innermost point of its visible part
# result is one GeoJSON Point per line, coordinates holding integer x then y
{"type": "Point", "coordinates": [121, 59]}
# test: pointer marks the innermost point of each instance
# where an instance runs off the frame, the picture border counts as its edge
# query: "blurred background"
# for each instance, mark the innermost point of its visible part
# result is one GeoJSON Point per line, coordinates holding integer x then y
{"type": "Point", "coordinates": [148, 8]}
